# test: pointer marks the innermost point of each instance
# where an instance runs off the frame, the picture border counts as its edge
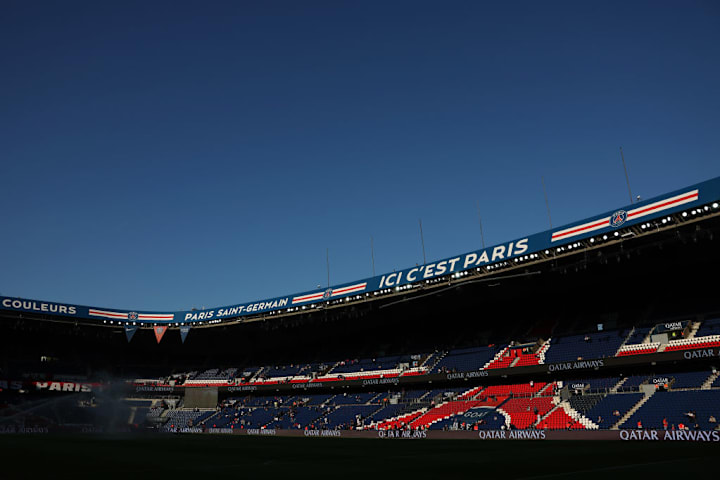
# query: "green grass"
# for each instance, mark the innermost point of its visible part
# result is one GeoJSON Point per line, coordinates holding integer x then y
{"type": "Point", "coordinates": [207, 456]}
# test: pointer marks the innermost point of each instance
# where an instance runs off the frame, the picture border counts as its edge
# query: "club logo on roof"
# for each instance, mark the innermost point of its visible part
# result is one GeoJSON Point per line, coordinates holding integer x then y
{"type": "Point", "coordinates": [618, 218]}
{"type": "Point", "coordinates": [132, 316]}
{"type": "Point", "coordinates": [327, 293]}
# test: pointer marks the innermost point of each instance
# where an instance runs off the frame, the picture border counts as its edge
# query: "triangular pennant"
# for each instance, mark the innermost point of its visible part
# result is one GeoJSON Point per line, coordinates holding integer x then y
{"type": "Point", "coordinates": [130, 331]}
{"type": "Point", "coordinates": [159, 332]}
{"type": "Point", "coordinates": [184, 332]}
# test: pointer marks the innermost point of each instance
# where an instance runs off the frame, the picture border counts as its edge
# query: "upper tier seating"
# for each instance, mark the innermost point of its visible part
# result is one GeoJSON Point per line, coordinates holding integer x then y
{"type": "Point", "coordinates": [710, 326]}
{"type": "Point", "coordinates": [586, 346]}
{"type": "Point", "coordinates": [465, 359]}
{"type": "Point", "coordinates": [638, 335]}
{"type": "Point", "coordinates": [691, 343]}
{"type": "Point", "coordinates": [515, 357]}
{"type": "Point", "coordinates": [638, 349]}
{"type": "Point", "coordinates": [282, 371]}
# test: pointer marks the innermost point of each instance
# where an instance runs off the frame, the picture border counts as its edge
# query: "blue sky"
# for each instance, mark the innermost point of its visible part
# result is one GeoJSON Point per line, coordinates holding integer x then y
{"type": "Point", "coordinates": [167, 155]}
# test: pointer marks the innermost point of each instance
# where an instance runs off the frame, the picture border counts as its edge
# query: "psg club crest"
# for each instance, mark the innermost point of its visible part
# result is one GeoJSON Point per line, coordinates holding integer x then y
{"type": "Point", "coordinates": [132, 316]}
{"type": "Point", "coordinates": [618, 218]}
{"type": "Point", "coordinates": [327, 293]}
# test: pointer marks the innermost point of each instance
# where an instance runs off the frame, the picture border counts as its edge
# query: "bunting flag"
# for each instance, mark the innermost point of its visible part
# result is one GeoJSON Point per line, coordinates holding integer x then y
{"type": "Point", "coordinates": [184, 332]}
{"type": "Point", "coordinates": [130, 331]}
{"type": "Point", "coordinates": [159, 332]}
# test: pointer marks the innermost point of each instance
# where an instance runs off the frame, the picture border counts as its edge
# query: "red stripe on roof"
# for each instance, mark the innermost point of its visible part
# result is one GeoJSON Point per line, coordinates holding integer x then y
{"type": "Point", "coordinates": [666, 204]}
{"type": "Point", "coordinates": [581, 229]}
{"type": "Point", "coordinates": [350, 289]}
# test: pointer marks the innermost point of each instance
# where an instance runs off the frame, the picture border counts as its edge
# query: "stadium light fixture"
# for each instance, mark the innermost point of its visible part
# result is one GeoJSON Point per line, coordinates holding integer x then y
{"type": "Point", "coordinates": [592, 240]}
{"type": "Point", "coordinates": [604, 237]}
{"type": "Point", "coordinates": [715, 205]}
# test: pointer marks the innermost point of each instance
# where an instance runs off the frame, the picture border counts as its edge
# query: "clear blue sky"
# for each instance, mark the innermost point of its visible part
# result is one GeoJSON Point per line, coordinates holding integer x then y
{"type": "Point", "coordinates": [167, 154]}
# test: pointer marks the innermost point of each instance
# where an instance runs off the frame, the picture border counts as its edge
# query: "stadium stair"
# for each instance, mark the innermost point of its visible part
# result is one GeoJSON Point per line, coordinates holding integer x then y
{"type": "Point", "coordinates": [634, 409]}
{"type": "Point", "coordinates": [541, 352]}
{"type": "Point", "coordinates": [498, 356]}
{"type": "Point", "coordinates": [443, 411]}
{"type": "Point", "coordinates": [694, 327]}
{"type": "Point", "coordinates": [431, 360]}
{"type": "Point", "coordinates": [470, 394]}
{"type": "Point", "coordinates": [257, 375]}
{"type": "Point", "coordinates": [618, 385]}
{"type": "Point", "coordinates": [400, 421]}
{"type": "Point", "coordinates": [508, 419]}
{"type": "Point", "coordinates": [559, 419]}
{"type": "Point", "coordinates": [627, 338]}
{"type": "Point", "coordinates": [707, 384]}
{"type": "Point", "coordinates": [577, 416]}
{"type": "Point", "coordinates": [543, 417]}
{"type": "Point", "coordinates": [547, 389]}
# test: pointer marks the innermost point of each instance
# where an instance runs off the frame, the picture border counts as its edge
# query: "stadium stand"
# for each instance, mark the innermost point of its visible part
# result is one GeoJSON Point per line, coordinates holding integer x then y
{"type": "Point", "coordinates": [709, 327]}
{"type": "Point", "coordinates": [694, 410]}
{"type": "Point", "coordinates": [584, 346]}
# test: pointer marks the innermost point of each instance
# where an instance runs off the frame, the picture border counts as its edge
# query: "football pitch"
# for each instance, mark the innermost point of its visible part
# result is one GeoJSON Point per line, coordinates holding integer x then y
{"type": "Point", "coordinates": [217, 456]}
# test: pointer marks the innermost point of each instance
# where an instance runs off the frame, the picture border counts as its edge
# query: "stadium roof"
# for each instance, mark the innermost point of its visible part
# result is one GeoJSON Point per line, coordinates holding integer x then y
{"type": "Point", "coordinates": [690, 204]}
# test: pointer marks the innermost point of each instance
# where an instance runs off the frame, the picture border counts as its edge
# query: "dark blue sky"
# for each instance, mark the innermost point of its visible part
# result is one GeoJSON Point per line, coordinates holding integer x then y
{"type": "Point", "coordinates": [164, 155]}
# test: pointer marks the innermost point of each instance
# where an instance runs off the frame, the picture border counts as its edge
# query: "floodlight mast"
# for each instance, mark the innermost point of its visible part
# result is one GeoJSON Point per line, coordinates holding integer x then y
{"type": "Point", "coordinates": [422, 241]}
{"type": "Point", "coordinates": [627, 179]}
{"type": "Point", "coordinates": [547, 204]}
